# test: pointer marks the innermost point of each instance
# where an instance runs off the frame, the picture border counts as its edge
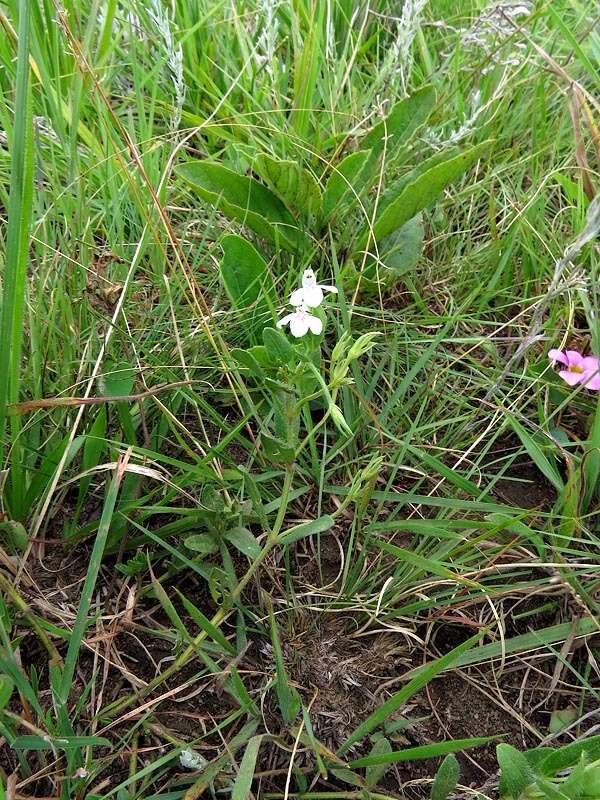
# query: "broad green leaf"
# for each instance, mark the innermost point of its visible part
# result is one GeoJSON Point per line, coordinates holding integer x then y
{"type": "Point", "coordinates": [118, 380]}
{"type": "Point", "coordinates": [550, 792]}
{"type": "Point", "coordinates": [277, 345]}
{"type": "Point", "coordinates": [446, 778]}
{"type": "Point", "coordinates": [344, 182]}
{"type": "Point", "coordinates": [421, 193]}
{"type": "Point", "coordinates": [398, 253]}
{"type": "Point", "coordinates": [375, 772]}
{"type": "Point", "coordinates": [591, 784]}
{"type": "Point", "coordinates": [405, 118]}
{"type": "Point", "coordinates": [245, 541]}
{"type": "Point", "coordinates": [277, 450]}
{"type": "Point", "coordinates": [569, 755]}
{"type": "Point", "coordinates": [397, 700]}
{"type": "Point", "coordinates": [305, 529]}
{"type": "Point", "coordinates": [246, 359]}
{"type": "Point", "coordinates": [6, 688]}
{"type": "Point", "coordinates": [243, 782]}
{"type": "Point", "coordinates": [296, 186]}
{"type": "Point", "coordinates": [516, 773]}
{"type": "Point", "coordinates": [398, 186]}
{"type": "Point", "coordinates": [14, 536]}
{"type": "Point", "coordinates": [201, 543]}
{"type": "Point", "coordinates": [246, 277]}
{"type": "Point", "coordinates": [422, 751]}
{"type": "Point", "coordinates": [537, 455]}
{"type": "Point", "coordinates": [246, 200]}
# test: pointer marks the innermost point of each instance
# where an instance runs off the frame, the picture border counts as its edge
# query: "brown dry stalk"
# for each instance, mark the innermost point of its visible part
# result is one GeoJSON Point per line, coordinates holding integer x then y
{"type": "Point", "coordinates": [54, 402]}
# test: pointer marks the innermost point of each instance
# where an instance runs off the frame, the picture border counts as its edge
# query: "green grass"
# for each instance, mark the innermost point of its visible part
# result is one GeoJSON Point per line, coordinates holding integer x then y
{"type": "Point", "coordinates": [344, 549]}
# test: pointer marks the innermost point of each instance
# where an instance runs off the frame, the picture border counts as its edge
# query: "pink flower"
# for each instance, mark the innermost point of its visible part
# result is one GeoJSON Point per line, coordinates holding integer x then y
{"type": "Point", "coordinates": [578, 368]}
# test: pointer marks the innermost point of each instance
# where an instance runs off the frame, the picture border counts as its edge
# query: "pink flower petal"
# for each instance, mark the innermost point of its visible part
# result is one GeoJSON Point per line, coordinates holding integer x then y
{"type": "Point", "coordinates": [574, 358]}
{"type": "Point", "coordinates": [558, 355]}
{"type": "Point", "coordinates": [572, 378]}
{"type": "Point", "coordinates": [590, 364]}
{"type": "Point", "coordinates": [591, 381]}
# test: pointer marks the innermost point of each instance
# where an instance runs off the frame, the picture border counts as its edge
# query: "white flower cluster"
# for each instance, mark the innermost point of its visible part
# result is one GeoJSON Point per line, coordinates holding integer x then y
{"type": "Point", "coordinates": [309, 295]}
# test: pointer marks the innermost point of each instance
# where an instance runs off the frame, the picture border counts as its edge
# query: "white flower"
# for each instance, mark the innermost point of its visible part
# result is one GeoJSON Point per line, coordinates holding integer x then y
{"type": "Point", "coordinates": [189, 759]}
{"type": "Point", "coordinates": [300, 322]}
{"type": "Point", "coordinates": [311, 293]}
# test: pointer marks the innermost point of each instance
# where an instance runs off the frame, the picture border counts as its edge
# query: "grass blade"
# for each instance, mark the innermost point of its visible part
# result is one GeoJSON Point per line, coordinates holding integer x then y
{"type": "Point", "coordinates": [17, 246]}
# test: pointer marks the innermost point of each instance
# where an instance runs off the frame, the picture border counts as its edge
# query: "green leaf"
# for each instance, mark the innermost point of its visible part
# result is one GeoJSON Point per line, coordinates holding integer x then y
{"type": "Point", "coordinates": [379, 716]}
{"type": "Point", "coordinates": [277, 345]}
{"type": "Point", "coordinates": [246, 200]}
{"type": "Point", "coordinates": [243, 782]}
{"type": "Point", "coordinates": [398, 253]}
{"type": "Point", "coordinates": [201, 543]}
{"type": "Point", "coordinates": [569, 755]}
{"type": "Point", "coordinates": [14, 536]}
{"type": "Point", "coordinates": [420, 194]}
{"type": "Point", "coordinates": [205, 624]}
{"type": "Point", "coordinates": [245, 541]}
{"type": "Point", "coordinates": [287, 696]}
{"type": "Point", "coordinates": [277, 450]}
{"type": "Point", "coordinates": [246, 276]}
{"type": "Point", "coordinates": [591, 460]}
{"type": "Point", "coordinates": [405, 118]}
{"type": "Point", "coordinates": [296, 186]}
{"type": "Point", "coordinates": [245, 358]}
{"type": "Point", "coordinates": [516, 773]}
{"type": "Point", "coordinates": [342, 185]}
{"type": "Point", "coordinates": [375, 772]}
{"type": "Point", "coordinates": [305, 529]}
{"type": "Point", "coordinates": [525, 642]}
{"type": "Point", "coordinates": [32, 742]}
{"type": "Point", "coordinates": [537, 455]}
{"type": "Point", "coordinates": [118, 380]}
{"type": "Point", "coordinates": [6, 689]}
{"type": "Point", "coordinates": [422, 752]}
{"type": "Point", "coordinates": [446, 778]}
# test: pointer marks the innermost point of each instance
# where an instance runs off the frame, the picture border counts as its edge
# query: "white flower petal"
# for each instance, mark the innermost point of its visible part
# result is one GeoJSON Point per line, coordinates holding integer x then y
{"type": "Point", "coordinates": [315, 324]}
{"type": "Point", "coordinates": [308, 279]}
{"type": "Point", "coordinates": [297, 297]}
{"type": "Point", "coordinates": [328, 288]}
{"type": "Point", "coordinates": [284, 321]}
{"type": "Point", "coordinates": [313, 296]}
{"type": "Point", "coordinates": [299, 323]}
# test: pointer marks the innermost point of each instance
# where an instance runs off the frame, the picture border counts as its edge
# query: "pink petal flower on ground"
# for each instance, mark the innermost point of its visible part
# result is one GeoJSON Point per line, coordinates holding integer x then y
{"type": "Point", "coordinates": [558, 355]}
{"type": "Point", "coordinates": [592, 381]}
{"type": "Point", "coordinates": [574, 359]}
{"type": "Point", "coordinates": [579, 368]}
{"type": "Point", "coordinates": [572, 378]}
